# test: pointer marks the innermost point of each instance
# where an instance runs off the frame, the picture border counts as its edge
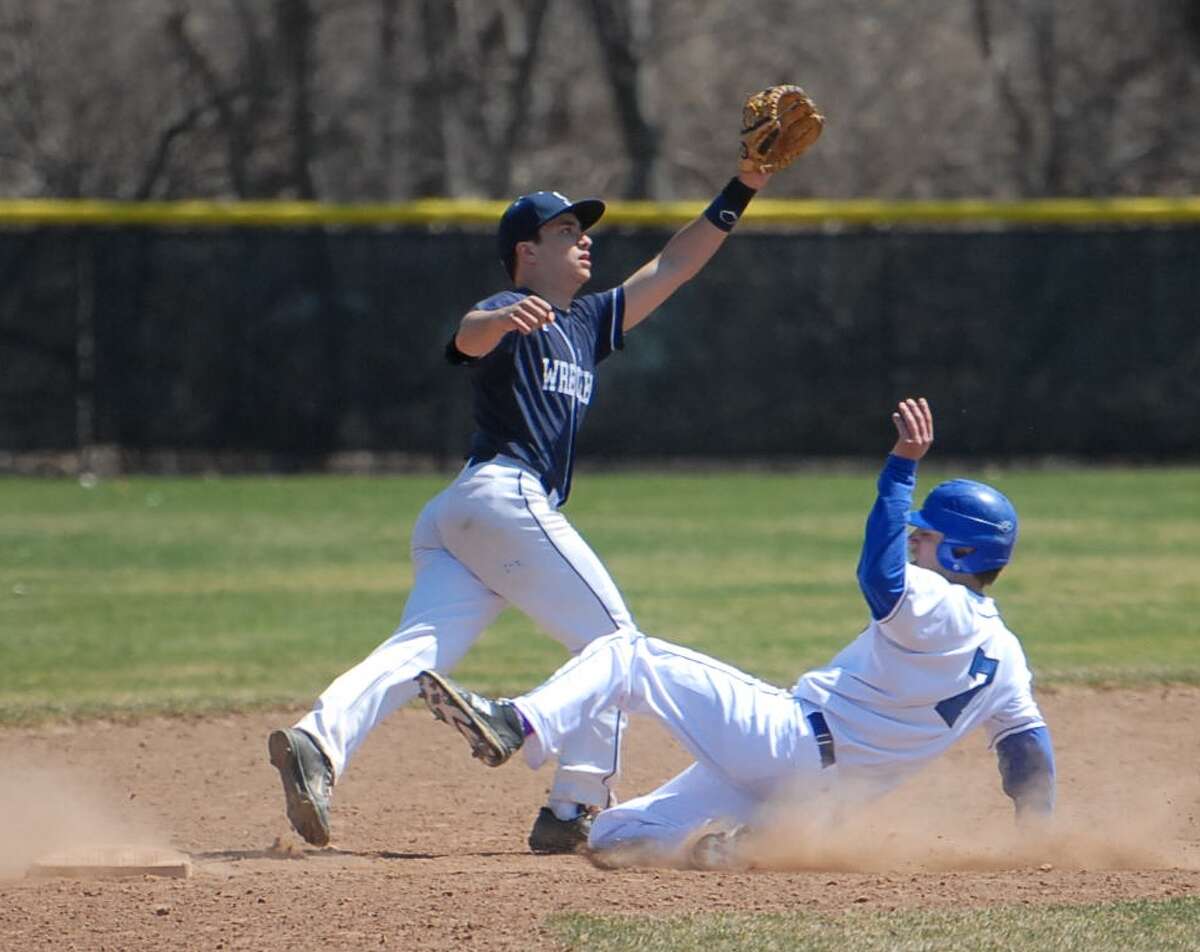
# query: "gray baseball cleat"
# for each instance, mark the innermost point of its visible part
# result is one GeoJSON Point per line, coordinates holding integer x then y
{"type": "Point", "coordinates": [552, 835]}
{"type": "Point", "coordinates": [307, 782]}
{"type": "Point", "coordinates": [493, 728]}
{"type": "Point", "coordinates": [722, 850]}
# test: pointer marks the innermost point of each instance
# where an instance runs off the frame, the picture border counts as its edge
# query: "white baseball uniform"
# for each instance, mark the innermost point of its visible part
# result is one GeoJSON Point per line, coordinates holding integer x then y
{"type": "Point", "coordinates": [940, 663]}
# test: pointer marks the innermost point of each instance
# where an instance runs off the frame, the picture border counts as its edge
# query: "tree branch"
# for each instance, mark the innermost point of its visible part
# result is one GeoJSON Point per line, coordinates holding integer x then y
{"type": "Point", "coordinates": [236, 144]}
{"type": "Point", "coordinates": [162, 151]}
{"type": "Point", "coordinates": [613, 20]}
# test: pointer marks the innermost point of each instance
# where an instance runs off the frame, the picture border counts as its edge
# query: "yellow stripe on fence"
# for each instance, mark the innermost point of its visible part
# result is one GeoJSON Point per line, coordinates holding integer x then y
{"type": "Point", "coordinates": [765, 212]}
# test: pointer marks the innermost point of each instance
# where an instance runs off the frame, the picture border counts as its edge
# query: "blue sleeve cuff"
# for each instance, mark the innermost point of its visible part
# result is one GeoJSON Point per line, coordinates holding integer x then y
{"type": "Point", "coordinates": [898, 469]}
{"type": "Point", "coordinates": [1026, 762]}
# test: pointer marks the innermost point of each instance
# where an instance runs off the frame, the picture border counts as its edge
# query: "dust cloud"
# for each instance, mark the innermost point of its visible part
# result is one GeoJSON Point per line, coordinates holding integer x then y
{"type": "Point", "coordinates": [1129, 827]}
{"type": "Point", "coordinates": [46, 810]}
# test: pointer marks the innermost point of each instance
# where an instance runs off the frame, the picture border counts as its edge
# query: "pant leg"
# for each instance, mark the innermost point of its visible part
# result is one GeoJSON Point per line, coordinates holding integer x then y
{"type": "Point", "coordinates": [663, 821]}
{"type": "Point", "coordinates": [499, 523]}
{"type": "Point", "coordinates": [751, 734]}
{"type": "Point", "coordinates": [446, 610]}
{"type": "Point", "coordinates": [503, 528]}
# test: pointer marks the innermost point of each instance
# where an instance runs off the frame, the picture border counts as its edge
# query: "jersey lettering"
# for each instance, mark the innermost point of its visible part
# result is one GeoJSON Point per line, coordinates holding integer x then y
{"type": "Point", "coordinates": [561, 376]}
{"type": "Point", "coordinates": [952, 707]}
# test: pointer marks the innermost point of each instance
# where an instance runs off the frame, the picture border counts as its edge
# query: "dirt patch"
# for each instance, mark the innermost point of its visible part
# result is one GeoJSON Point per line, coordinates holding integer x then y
{"type": "Point", "coordinates": [429, 847]}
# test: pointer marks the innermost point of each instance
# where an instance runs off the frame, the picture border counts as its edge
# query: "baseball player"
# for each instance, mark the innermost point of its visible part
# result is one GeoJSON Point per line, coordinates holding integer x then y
{"type": "Point", "coordinates": [935, 662]}
{"type": "Point", "coordinates": [496, 535]}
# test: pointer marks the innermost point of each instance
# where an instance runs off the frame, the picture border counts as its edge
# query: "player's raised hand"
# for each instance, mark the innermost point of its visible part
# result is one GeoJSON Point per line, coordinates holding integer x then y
{"type": "Point", "coordinates": [526, 315]}
{"type": "Point", "coordinates": [914, 428]}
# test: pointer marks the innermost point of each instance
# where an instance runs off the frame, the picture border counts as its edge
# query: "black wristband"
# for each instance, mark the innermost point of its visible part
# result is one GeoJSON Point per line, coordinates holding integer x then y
{"type": "Point", "coordinates": [727, 207]}
{"type": "Point", "coordinates": [456, 356]}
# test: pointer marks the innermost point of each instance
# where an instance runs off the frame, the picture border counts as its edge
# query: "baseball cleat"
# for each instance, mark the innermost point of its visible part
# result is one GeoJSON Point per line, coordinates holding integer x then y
{"type": "Point", "coordinates": [723, 850]}
{"type": "Point", "coordinates": [493, 728]}
{"type": "Point", "coordinates": [307, 782]}
{"type": "Point", "coordinates": [552, 835]}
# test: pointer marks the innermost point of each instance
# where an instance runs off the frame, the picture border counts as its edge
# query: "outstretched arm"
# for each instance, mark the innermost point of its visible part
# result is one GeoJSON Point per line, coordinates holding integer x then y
{"type": "Point", "coordinates": [779, 124]}
{"type": "Point", "coordinates": [884, 556]}
{"type": "Point", "coordinates": [689, 249]}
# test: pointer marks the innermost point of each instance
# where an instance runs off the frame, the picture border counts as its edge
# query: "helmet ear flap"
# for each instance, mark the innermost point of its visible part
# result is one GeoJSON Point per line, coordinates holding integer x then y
{"type": "Point", "coordinates": [951, 555]}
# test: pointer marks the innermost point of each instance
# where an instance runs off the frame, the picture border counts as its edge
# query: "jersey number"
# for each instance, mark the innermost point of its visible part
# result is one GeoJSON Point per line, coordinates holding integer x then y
{"type": "Point", "coordinates": [952, 707]}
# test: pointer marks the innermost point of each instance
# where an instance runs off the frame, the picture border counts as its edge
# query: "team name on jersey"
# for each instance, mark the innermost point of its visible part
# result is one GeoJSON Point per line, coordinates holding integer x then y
{"type": "Point", "coordinates": [561, 376]}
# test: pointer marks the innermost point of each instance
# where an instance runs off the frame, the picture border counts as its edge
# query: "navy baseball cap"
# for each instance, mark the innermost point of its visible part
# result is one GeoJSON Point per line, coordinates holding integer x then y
{"type": "Point", "coordinates": [522, 219]}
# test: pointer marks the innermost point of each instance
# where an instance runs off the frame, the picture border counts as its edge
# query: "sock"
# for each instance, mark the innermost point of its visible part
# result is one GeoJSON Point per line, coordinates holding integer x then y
{"type": "Point", "coordinates": [565, 809]}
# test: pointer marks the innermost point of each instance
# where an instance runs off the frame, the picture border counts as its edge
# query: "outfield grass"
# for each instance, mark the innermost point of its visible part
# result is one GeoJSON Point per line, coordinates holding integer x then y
{"type": "Point", "coordinates": [1171, 925]}
{"type": "Point", "coordinates": [193, 594]}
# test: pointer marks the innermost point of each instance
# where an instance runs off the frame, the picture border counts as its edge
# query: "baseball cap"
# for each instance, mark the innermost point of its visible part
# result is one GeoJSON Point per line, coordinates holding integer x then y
{"type": "Point", "coordinates": [522, 219]}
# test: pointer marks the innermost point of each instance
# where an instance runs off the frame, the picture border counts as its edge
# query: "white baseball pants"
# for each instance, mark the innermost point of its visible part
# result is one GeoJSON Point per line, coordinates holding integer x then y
{"type": "Point", "coordinates": [490, 539]}
{"type": "Point", "coordinates": [751, 740]}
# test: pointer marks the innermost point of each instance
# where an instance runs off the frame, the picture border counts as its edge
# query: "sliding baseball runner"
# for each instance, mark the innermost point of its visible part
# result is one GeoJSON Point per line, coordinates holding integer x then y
{"type": "Point", "coordinates": [935, 662]}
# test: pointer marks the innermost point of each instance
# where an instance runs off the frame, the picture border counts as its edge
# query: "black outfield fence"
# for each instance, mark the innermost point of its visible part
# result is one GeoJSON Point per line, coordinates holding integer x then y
{"type": "Point", "coordinates": [289, 345]}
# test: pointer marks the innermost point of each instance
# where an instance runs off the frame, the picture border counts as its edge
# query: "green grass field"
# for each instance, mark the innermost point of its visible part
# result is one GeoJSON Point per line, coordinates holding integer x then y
{"type": "Point", "coordinates": [1170, 925]}
{"type": "Point", "coordinates": [140, 595]}
{"type": "Point", "coordinates": [150, 594]}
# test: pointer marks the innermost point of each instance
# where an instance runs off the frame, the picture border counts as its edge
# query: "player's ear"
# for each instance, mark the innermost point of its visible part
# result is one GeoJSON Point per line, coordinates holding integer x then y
{"type": "Point", "coordinates": [526, 253]}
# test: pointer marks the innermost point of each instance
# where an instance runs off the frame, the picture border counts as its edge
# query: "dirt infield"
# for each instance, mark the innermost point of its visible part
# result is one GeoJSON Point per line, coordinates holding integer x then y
{"type": "Point", "coordinates": [429, 847]}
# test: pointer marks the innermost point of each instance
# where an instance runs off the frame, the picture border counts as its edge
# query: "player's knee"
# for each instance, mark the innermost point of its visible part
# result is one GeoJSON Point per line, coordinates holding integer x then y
{"type": "Point", "coordinates": [617, 640]}
{"type": "Point", "coordinates": [617, 826]}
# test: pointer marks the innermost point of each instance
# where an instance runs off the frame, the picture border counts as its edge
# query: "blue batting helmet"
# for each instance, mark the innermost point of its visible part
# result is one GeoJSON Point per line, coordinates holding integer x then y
{"type": "Point", "coordinates": [969, 515]}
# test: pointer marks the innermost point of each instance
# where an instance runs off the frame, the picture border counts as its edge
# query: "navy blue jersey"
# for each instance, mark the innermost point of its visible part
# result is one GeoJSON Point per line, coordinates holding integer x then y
{"type": "Point", "coordinates": [532, 391]}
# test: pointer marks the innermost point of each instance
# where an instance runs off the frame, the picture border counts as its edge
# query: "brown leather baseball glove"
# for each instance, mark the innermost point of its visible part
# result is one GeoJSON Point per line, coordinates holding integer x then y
{"type": "Point", "coordinates": [778, 125]}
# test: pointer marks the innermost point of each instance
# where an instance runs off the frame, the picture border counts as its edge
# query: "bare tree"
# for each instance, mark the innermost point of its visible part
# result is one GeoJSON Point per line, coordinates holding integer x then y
{"type": "Point", "coordinates": [624, 30]}
{"type": "Point", "coordinates": [430, 158]}
{"type": "Point", "coordinates": [21, 98]}
{"type": "Point", "coordinates": [388, 88]}
{"type": "Point", "coordinates": [296, 23]}
{"type": "Point", "coordinates": [1065, 75]}
{"type": "Point", "coordinates": [369, 99]}
{"type": "Point", "coordinates": [471, 96]}
{"type": "Point", "coordinates": [521, 25]}
{"type": "Point", "coordinates": [71, 123]}
{"type": "Point", "coordinates": [1031, 116]}
{"type": "Point", "coordinates": [237, 103]}
{"type": "Point", "coordinates": [263, 101]}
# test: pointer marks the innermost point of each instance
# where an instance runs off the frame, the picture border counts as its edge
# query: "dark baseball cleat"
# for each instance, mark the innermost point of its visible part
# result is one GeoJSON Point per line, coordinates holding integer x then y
{"type": "Point", "coordinates": [493, 728]}
{"type": "Point", "coordinates": [307, 782]}
{"type": "Point", "coordinates": [552, 835]}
